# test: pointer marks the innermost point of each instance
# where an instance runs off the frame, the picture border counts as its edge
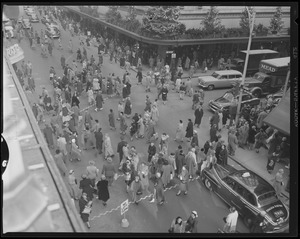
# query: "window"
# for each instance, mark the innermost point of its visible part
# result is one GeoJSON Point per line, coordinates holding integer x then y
{"type": "Point", "coordinates": [223, 77]}
{"type": "Point", "coordinates": [246, 97]}
{"type": "Point", "coordinates": [232, 76]}
{"type": "Point", "coordinates": [238, 189]}
{"type": "Point", "coordinates": [249, 197]}
{"type": "Point", "coordinates": [230, 182]}
{"type": "Point", "coordinates": [238, 76]}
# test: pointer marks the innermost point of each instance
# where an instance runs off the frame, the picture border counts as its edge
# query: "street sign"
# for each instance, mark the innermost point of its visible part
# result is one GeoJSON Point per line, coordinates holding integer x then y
{"type": "Point", "coordinates": [89, 33]}
{"type": "Point", "coordinates": [173, 55]}
{"type": "Point", "coordinates": [124, 207]}
{"type": "Point", "coordinates": [169, 52]}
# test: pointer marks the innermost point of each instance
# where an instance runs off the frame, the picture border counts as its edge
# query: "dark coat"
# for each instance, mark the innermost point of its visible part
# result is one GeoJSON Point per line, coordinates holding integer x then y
{"type": "Point", "coordinates": [198, 116]}
{"type": "Point", "coordinates": [99, 140]}
{"type": "Point", "coordinates": [75, 100]}
{"type": "Point", "coordinates": [87, 187]}
{"type": "Point", "coordinates": [103, 193]}
{"type": "Point", "coordinates": [223, 156]}
{"type": "Point", "coordinates": [189, 130]}
{"type": "Point", "coordinates": [213, 134]}
{"type": "Point", "coordinates": [99, 101]}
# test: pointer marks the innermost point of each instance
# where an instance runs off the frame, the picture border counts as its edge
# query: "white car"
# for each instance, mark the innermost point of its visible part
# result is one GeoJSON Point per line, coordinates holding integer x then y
{"type": "Point", "coordinates": [9, 29]}
{"type": "Point", "coordinates": [34, 18]}
{"type": "Point", "coordinates": [220, 79]}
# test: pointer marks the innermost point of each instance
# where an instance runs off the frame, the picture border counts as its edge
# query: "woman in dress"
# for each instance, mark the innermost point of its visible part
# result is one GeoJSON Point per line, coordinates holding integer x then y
{"type": "Point", "coordinates": [119, 86]}
{"type": "Point", "coordinates": [111, 119]}
{"type": "Point", "coordinates": [75, 151]}
{"type": "Point", "coordinates": [103, 193]}
{"type": "Point", "coordinates": [133, 129]}
{"type": "Point", "coordinates": [128, 107]}
{"type": "Point", "coordinates": [141, 127]}
{"type": "Point", "coordinates": [167, 173]}
{"type": "Point", "coordinates": [91, 99]}
{"type": "Point", "coordinates": [108, 151]}
{"type": "Point", "coordinates": [123, 124]}
{"type": "Point", "coordinates": [179, 131]}
{"type": "Point", "coordinates": [74, 188]}
{"type": "Point", "coordinates": [164, 92]}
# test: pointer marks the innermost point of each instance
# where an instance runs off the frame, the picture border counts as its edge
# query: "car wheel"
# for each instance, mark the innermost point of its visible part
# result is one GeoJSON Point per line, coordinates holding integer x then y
{"type": "Point", "coordinates": [210, 87]}
{"type": "Point", "coordinates": [257, 94]}
{"type": "Point", "coordinates": [207, 184]}
{"type": "Point", "coordinates": [247, 222]}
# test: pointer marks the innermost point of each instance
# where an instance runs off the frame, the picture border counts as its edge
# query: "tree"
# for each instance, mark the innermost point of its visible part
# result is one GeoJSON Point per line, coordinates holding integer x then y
{"type": "Point", "coordinates": [113, 16]}
{"type": "Point", "coordinates": [161, 22]}
{"type": "Point", "coordinates": [276, 24]}
{"type": "Point", "coordinates": [245, 22]}
{"type": "Point", "coordinates": [211, 23]}
{"type": "Point", "coordinates": [130, 22]}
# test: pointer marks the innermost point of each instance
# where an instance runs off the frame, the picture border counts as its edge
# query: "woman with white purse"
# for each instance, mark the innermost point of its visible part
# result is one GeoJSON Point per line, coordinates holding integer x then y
{"type": "Point", "coordinates": [85, 209]}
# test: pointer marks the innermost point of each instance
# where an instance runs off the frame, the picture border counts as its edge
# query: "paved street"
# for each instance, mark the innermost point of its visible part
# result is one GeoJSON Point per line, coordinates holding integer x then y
{"type": "Point", "coordinates": [145, 217]}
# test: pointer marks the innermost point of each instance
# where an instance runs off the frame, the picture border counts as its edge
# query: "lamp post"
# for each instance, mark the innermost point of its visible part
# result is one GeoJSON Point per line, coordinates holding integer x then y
{"type": "Point", "coordinates": [246, 64]}
{"type": "Point", "coordinates": [286, 82]}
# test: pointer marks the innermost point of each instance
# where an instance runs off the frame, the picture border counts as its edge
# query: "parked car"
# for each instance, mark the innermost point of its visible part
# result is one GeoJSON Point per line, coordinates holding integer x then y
{"type": "Point", "coordinates": [26, 23]}
{"type": "Point", "coordinates": [250, 194]}
{"type": "Point", "coordinates": [224, 102]}
{"type": "Point", "coordinates": [52, 31]}
{"type": "Point", "coordinates": [34, 18]}
{"type": "Point", "coordinates": [220, 79]}
{"type": "Point", "coordinates": [29, 11]}
{"type": "Point", "coordinates": [9, 30]}
{"type": "Point", "coordinates": [45, 20]}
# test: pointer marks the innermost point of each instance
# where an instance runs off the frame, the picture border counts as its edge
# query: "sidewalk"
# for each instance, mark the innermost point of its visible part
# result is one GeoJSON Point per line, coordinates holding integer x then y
{"type": "Point", "coordinates": [257, 162]}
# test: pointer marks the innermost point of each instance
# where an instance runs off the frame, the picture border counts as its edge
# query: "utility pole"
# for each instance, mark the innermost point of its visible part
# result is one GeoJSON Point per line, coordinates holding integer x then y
{"type": "Point", "coordinates": [251, 18]}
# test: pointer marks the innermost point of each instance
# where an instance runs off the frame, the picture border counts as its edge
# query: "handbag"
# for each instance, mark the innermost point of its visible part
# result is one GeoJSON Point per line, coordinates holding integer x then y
{"type": "Point", "coordinates": [87, 210]}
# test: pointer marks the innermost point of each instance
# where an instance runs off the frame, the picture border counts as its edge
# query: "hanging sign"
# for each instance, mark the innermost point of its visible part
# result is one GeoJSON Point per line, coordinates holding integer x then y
{"type": "Point", "coordinates": [124, 207]}
{"type": "Point", "coordinates": [15, 53]}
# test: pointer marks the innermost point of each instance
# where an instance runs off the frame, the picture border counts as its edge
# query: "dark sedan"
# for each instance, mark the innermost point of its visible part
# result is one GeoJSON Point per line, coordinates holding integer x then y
{"type": "Point", "coordinates": [224, 102]}
{"type": "Point", "coordinates": [250, 194]}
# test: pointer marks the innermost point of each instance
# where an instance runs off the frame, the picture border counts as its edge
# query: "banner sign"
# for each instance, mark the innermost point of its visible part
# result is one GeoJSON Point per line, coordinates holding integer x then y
{"type": "Point", "coordinates": [124, 207]}
{"type": "Point", "coordinates": [15, 53]}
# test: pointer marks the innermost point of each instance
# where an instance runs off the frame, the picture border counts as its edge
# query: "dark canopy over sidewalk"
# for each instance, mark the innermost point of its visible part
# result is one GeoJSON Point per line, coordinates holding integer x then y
{"type": "Point", "coordinates": [279, 118]}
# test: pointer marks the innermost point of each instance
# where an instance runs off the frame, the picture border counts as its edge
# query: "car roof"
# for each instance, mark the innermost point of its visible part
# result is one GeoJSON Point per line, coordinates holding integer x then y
{"type": "Point", "coordinates": [259, 51]}
{"type": "Point", "coordinates": [228, 72]}
{"type": "Point", "coordinates": [252, 182]}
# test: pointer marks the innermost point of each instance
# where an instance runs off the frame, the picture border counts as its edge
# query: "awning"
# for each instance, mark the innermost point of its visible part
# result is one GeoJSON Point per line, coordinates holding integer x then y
{"type": "Point", "coordinates": [279, 117]}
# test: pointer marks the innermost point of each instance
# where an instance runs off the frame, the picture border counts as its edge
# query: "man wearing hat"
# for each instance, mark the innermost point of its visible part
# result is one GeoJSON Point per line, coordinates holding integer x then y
{"type": "Point", "coordinates": [86, 186]}
{"type": "Point", "coordinates": [92, 172]}
{"type": "Point", "coordinates": [109, 171]}
{"type": "Point", "coordinates": [191, 223]}
{"type": "Point", "coordinates": [120, 149]}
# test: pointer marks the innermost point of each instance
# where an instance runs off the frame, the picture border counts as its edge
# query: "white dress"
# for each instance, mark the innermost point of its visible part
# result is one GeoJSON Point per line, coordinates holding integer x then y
{"type": "Point", "coordinates": [108, 151]}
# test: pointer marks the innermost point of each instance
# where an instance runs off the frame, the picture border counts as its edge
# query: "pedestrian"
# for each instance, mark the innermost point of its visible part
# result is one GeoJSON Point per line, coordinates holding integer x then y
{"type": "Point", "coordinates": [179, 132]}
{"type": "Point", "coordinates": [189, 130]}
{"type": "Point", "coordinates": [109, 171]}
{"type": "Point", "coordinates": [48, 133]}
{"type": "Point", "coordinates": [123, 124]}
{"type": "Point", "coordinates": [31, 83]}
{"type": "Point", "coordinates": [139, 76]}
{"type": "Point", "coordinates": [92, 172]}
{"type": "Point", "coordinates": [86, 186]}
{"type": "Point", "coordinates": [75, 151]}
{"type": "Point", "coordinates": [74, 189]}
{"type": "Point", "coordinates": [198, 115]}
{"type": "Point", "coordinates": [213, 133]}
{"type": "Point", "coordinates": [108, 150]}
{"type": "Point", "coordinates": [191, 223]}
{"type": "Point", "coordinates": [128, 107]}
{"type": "Point", "coordinates": [102, 188]}
{"type": "Point", "coordinates": [85, 209]}
{"type": "Point", "coordinates": [176, 226]}
{"type": "Point", "coordinates": [87, 138]}
{"type": "Point", "coordinates": [278, 182]}
{"type": "Point", "coordinates": [151, 151]}
{"type": "Point", "coordinates": [143, 172]}
{"type": "Point", "coordinates": [167, 173]}
{"type": "Point", "coordinates": [184, 178]}
{"type": "Point", "coordinates": [223, 155]}
{"type": "Point", "coordinates": [189, 88]}
{"type": "Point", "coordinates": [191, 163]}
{"type": "Point", "coordinates": [251, 136]}
{"type": "Point", "coordinates": [135, 187]}
{"type": "Point", "coordinates": [120, 150]}
{"type": "Point", "coordinates": [120, 109]}
{"type": "Point", "coordinates": [262, 115]}
{"type": "Point", "coordinates": [195, 139]}
{"type": "Point", "coordinates": [232, 142]}
{"type": "Point", "coordinates": [231, 221]}
{"type": "Point", "coordinates": [154, 114]}
{"type": "Point", "coordinates": [50, 49]}
{"type": "Point", "coordinates": [128, 170]}
{"type": "Point", "coordinates": [111, 119]}
{"type": "Point", "coordinates": [133, 129]}
{"type": "Point", "coordinates": [99, 140]}
{"type": "Point", "coordinates": [164, 92]}
{"type": "Point", "coordinates": [260, 139]}
{"type": "Point", "coordinates": [60, 163]}
{"type": "Point", "coordinates": [141, 127]}
{"type": "Point", "coordinates": [159, 194]}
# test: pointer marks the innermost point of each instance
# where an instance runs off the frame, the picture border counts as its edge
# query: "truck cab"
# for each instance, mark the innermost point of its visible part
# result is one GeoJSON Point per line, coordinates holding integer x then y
{"type": "Point", "coordinates": [270, 78]}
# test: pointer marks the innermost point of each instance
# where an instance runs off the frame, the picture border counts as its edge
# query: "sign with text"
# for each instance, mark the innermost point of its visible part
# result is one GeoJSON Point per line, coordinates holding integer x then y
{"type": "Point", "coordinates": [15, 53]}
{"type": "Point", "coordinates": [173, 55]}
{"type": "Point", "coordinates": [169, 52]}
{"type": "Point", "coordinates": [124, 207]}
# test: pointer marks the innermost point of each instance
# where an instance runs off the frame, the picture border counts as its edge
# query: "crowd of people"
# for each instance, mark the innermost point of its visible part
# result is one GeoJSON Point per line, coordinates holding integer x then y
{"type": "Point", "coordinates": [76, 131]}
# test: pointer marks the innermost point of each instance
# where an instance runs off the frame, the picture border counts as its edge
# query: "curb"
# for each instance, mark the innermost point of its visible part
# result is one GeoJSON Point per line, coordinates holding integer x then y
{"type": "Point", "coordinates": [245, 166]}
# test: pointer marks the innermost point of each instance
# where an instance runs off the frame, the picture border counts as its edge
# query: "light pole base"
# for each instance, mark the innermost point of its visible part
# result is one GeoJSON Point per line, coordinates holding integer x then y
{"type": "Point", "coordinates": [125, 223]}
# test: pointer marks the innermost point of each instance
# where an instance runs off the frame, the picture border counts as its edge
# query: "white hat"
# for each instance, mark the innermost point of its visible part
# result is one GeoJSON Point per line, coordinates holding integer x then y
{"type": "Point", "coordinates": [73, 140]}
{"type": "Point", "coordinates": [195, 213]}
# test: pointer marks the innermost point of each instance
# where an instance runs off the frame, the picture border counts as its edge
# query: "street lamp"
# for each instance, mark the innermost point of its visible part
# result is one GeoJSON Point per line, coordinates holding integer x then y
{"type": "Point", "coordinates": [246, 63]}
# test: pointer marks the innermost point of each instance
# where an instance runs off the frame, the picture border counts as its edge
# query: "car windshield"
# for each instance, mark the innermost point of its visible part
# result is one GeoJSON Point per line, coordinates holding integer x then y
{"type": "Point", "coordinates": [267, 198]}
{"type": "Point", "coordinates": [234, 61]}
{"type": "Point", "coordinates": [216, 75]}
{"type": "Point", "coordinates": [228, 96]}
{"type": "Point", "coordinates": [258, 77]}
